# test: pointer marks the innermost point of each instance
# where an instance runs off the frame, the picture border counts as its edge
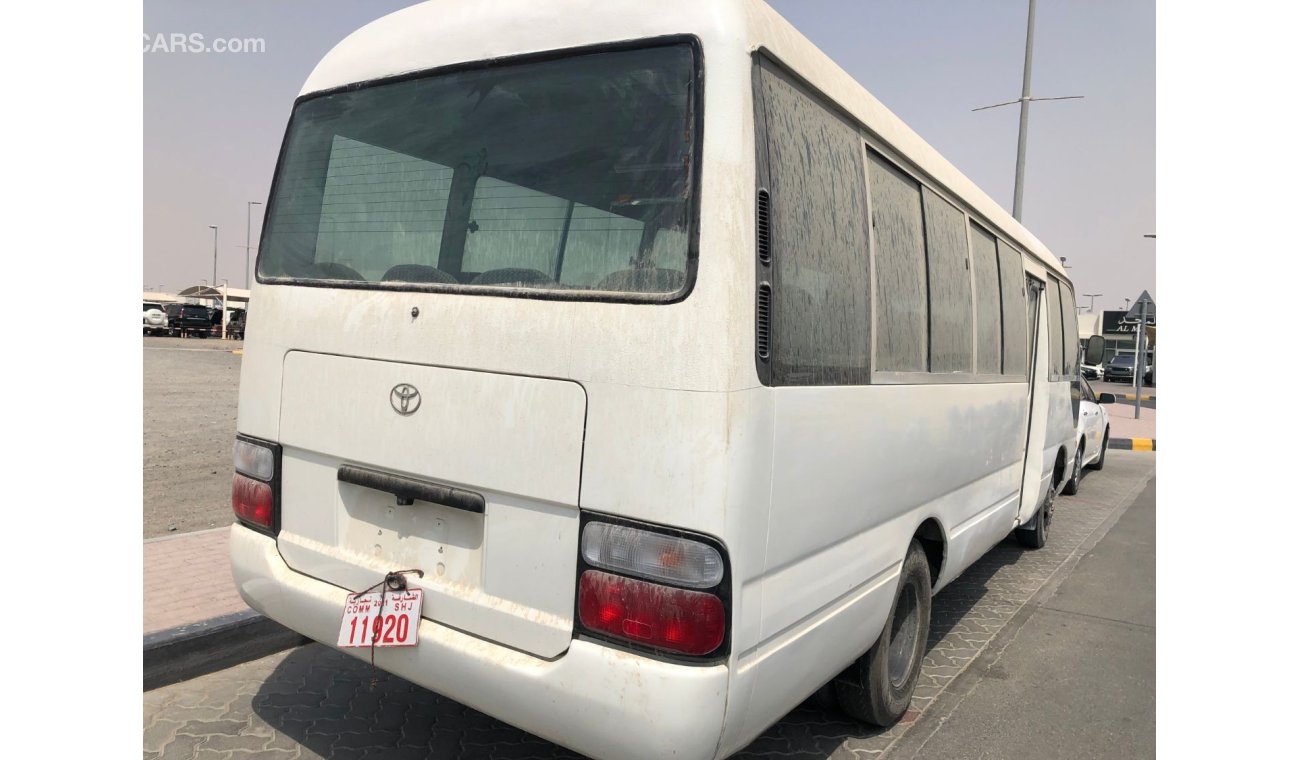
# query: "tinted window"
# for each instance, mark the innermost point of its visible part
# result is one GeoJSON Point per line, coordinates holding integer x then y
{"type": "Point", "coordinates": [564, 175]}
{"type": "Point", "coordinates": [951, 309]}
{"type": "Point", "coordinates": [1054, 353]}
{"type": "Point", "coordinates": [1070, 331]}
{"type": "Point", "coordinates": [988, 302]}
{"type": "Point", "coordinates": [900, 284]}
{"type": "Point", "coordinates": [1015, 327]}
{"type": "Point", "coordinates": [379, 208]}
{"type": "Point", "coordinates": [820, 322]}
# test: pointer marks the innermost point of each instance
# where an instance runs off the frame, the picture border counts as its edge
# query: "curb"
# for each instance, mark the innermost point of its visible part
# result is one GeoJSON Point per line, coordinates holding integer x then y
{"type": "Point", "coordinates": [197, 649]}
{"type": "Point", "coordinates": [1132, 444]}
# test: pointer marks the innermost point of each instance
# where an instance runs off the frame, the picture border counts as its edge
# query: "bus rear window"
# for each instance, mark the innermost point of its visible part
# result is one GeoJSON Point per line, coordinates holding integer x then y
{"type": "Point", "coordinates": [571, 176]}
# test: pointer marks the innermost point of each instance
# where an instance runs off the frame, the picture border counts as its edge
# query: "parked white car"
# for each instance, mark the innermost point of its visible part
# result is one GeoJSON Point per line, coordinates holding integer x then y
{"type": "Point", "coordinates": [1093, 434]}
{"type": "Point", "coordinates": [155, 319]}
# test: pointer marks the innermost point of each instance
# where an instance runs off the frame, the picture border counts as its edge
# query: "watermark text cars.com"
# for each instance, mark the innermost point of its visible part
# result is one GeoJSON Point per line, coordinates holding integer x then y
{"type": "Point", "coordinates": [179, 42]}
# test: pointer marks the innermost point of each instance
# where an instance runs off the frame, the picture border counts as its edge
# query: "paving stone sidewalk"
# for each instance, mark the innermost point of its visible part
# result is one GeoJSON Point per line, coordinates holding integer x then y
{"type": "Point", "coordinates": [1125, 424]}
{"type": "Point", "coordinates": [187, 579]}
{"type": "Point", "coordinates": [313, 702]}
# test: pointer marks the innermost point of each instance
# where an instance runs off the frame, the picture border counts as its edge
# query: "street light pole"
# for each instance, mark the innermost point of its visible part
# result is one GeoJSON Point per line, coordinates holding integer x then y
{"type": "Point", "coordinates": [1092, 299]}
{"type": "Point", "coordinates": [1024, 100]}
{"type": "Point", "coordinates": [1024, 116]}
{"type": "Point", "coordinates": [248, 246]}
{"type": "Point", "coordinates": [214, 254]}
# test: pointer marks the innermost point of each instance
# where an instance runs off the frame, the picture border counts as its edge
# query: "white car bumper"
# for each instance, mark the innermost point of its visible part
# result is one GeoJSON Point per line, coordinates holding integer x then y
{"type": "Point", "coordinates": [592, 699]}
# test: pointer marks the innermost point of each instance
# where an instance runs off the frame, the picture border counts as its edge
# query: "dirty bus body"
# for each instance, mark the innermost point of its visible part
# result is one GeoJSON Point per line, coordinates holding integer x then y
{"type": "Point", "coordinates": [683, 370]}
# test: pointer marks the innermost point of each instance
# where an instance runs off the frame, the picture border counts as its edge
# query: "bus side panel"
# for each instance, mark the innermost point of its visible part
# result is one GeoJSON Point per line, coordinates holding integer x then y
{"type": "Point", "coordinates": [855, 471]}
{"type": "Point", "coordinates": [849, 460]}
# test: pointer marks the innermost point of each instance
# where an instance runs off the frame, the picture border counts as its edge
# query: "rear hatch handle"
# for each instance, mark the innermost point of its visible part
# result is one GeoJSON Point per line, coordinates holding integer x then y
{"type": "Point", "coordinates": [407, 490]}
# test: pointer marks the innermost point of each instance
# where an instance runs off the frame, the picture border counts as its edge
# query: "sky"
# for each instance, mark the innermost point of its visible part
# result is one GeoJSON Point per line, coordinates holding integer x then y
{"type": "Point", "coordinates": [213, 122]}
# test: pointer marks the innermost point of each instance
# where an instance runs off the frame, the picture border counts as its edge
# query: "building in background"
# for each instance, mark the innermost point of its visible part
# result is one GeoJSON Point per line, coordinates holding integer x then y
{"type": "Point", "coordinates": [1120, 328]}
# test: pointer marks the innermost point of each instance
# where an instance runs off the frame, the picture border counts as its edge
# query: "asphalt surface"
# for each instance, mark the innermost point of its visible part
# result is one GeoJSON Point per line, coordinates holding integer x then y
{"type": "Point", "coordinates": [191, 389]}
{"type": "Point", "coordinates": [1075, 677]}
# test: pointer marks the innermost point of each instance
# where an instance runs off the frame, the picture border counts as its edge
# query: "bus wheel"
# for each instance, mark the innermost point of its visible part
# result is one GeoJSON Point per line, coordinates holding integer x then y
{"type": "Point", "coordinates": [877, 688]}
{"type": "Point", "coordinates": [1072, 485]}
{"type": "Point", "coordinates": [1036, 537]}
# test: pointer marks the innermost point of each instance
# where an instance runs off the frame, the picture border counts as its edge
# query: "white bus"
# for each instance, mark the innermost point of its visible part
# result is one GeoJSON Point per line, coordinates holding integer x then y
{"type": "Point", "coordinates": [681, 370]}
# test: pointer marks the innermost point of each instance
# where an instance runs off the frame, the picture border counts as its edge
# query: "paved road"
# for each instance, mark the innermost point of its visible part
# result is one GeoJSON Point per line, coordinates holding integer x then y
{"type": "Point", "coordinates": [191, 389]}
{"type": "Point", "coordinates": [1074, 676]}
{"type": "Point", "coordinates": [313, 702]}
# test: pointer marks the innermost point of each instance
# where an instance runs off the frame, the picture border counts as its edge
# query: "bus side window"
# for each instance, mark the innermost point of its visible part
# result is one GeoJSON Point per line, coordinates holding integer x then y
{"type": "Point", "coordinates": [900, 280]}
{"type": "Point", "coordinates": [1056, 366]}
{"type": "Point", "coordinates": [948, 264]}
{"type": "Point", "coordinates": [988, 307]}
{"type": "Point", "coordinates": [1070, 331]}
{"type": "Point", "coordinates": [820, 318]}
{"type": "Point", "coordinates": [1015, 328]}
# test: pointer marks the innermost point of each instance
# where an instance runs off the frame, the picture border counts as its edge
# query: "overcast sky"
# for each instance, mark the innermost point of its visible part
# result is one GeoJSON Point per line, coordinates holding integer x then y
{"type": "Point", "coordinates": [213, 122]}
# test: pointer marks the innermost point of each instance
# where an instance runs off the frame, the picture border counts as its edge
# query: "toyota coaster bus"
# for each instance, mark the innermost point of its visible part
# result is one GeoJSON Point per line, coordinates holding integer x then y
{"type": "Point", "coordinates": [627, 372]}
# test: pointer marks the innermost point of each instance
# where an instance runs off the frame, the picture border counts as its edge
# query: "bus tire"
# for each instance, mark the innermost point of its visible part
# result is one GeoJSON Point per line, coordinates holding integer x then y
{"type": "Point", "coordinates": [1072, 485]}
{"type": "Point", "coordinates": [877, 688]}
{"type": "Point", "coordinates": [1101, 455]}
{"type": "Point", "coordinates": [1036, 537]}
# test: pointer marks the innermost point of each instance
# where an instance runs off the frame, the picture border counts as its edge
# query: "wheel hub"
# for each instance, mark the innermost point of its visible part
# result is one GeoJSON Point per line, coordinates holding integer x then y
{"type": "Point", "coordinates": [902, 636]}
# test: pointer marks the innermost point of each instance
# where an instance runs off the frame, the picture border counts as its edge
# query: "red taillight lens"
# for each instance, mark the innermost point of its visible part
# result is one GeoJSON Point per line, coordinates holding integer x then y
{"type": "Point", "coordinates": [252, 501]}
{"type": "Point", "coordinates": [689, 622]}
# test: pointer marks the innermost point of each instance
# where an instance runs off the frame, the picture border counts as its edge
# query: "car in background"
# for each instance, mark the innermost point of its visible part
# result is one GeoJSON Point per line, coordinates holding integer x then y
{"type": "Point", "coordinates": [185, 319]}
{"type": "Point", "coordinates": [1120, 369]}
{"type": "Point", "coordinates": [155, 319]}
{"type": "Point", "coordinates": [235, 324]}
{"type": "Point", "coordinates": [1092, 432]}
{"type": "Point", "coordinates": [1092, 371]}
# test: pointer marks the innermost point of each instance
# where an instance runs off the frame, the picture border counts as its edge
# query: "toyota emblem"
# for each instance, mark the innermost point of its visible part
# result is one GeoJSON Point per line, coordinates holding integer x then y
{"type": "Point", "coordinates": [405, 399]}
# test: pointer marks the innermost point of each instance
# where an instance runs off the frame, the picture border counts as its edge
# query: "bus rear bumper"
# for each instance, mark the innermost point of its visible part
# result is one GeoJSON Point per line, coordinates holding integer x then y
{"type": "Point", "coordinates": [592, 699]}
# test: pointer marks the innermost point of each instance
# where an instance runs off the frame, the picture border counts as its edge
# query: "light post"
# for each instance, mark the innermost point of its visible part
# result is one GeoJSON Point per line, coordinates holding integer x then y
{"type": "Point", "coordinates": [1092, 299]}
{"type": "Point", "coordinates": [214, 254]}
{"type": "Point", "coordinates": [248, 246]}
{"type": "Point", "coordinates": [225, 294]}
{"type": "Point", "coordinates": [1024, 102]}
